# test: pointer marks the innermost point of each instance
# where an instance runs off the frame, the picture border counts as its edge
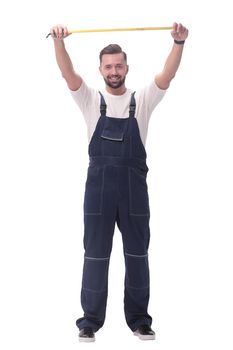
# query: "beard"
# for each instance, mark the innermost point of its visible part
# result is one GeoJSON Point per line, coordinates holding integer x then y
{"type": "Point", "coordinates": [115, 81]}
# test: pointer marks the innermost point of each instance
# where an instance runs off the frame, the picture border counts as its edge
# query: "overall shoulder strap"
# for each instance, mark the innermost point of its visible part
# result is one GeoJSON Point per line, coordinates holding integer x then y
{"type": "Point", "coordinates": [103, 106]}
{"type": "Point", "coordinates": [132, 106]}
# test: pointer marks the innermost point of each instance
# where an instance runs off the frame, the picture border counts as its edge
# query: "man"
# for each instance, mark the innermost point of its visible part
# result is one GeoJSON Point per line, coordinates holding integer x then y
{"type": "Point", "coordinates": [116, 189]}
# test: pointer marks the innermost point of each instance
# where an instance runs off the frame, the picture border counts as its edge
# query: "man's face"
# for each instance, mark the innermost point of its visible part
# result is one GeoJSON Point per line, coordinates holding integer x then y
{"type": "Point", "coordinates": [113, 68]}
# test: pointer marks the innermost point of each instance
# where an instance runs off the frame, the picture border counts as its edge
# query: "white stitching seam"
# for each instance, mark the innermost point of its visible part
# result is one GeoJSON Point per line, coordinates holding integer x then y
{"type": "Point", "coordinates": [137, 256]}
{"type": "Point", "coordinates": [91, 258]}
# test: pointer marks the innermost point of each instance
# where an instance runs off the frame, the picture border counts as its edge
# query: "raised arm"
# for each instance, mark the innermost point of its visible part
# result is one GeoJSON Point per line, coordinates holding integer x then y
{"type": "Point", "coordinates": [179, 34]}
{"type": "Point", "coordinates": [59, 33]}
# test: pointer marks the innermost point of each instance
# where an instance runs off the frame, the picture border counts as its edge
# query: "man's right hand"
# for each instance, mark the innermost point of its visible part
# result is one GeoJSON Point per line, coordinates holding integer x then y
{"type": "Point", "coordinates": [59, 32]}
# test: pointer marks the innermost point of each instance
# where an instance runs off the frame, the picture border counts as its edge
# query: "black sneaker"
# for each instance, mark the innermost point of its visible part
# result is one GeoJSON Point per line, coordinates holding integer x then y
{"type": "Point", "coordinates": [144, 332]}
{"type": "Point", "coordinates": [86, 335]}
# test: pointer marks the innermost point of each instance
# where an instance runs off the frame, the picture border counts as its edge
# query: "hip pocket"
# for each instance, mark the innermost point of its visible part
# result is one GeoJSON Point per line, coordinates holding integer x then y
{"type": "Point", "coordinates": [138, 193]}
{"type": "Point", "coordinates": [93, 198]}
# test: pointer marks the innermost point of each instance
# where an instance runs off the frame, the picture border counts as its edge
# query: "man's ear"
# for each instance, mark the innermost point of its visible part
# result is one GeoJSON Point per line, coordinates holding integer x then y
{"type": "Point", "coordinates": [100, 70]}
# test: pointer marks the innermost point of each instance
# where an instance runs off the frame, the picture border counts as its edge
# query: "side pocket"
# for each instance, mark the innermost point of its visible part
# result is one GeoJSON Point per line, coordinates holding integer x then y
{"type": "Point", "coordinates": [138, 193]}
{"type": "Point", "coordinates": [93, 198]}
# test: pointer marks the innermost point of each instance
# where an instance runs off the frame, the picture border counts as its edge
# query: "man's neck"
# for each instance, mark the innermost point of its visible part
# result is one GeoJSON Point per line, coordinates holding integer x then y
{"type": "Point", "coordinates": [117, 92]}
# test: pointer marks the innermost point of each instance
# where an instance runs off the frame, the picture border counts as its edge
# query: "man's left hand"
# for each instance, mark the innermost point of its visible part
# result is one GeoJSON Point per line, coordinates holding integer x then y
{"type": "Point", "coordinates": [179, 32]}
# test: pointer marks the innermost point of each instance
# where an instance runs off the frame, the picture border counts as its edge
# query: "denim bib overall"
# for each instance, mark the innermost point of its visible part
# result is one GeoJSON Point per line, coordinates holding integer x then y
{"type": "Point", "coordinates": [116, 192]}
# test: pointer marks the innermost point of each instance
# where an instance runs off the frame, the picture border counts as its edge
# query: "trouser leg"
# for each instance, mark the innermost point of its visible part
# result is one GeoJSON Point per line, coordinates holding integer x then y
{"type": "Point", "coordinates": [95, 274]}
{"type": "Point", "coordinates": [137, 290]}
{"type": "Point", "coordinates": [136, 235]}
{"type": "Point", "coordinates": [98, 234]}
{"type": "Point", "coordinates": [137, 280]}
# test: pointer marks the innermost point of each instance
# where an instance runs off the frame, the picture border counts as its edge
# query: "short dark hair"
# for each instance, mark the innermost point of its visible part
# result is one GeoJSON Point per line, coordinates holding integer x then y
{"type": "Point", "coordinates": [111, 49]}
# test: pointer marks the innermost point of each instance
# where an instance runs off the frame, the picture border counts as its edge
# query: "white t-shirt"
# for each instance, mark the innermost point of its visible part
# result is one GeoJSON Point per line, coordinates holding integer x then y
{"type": "Point", "coordinates": [88, 101]}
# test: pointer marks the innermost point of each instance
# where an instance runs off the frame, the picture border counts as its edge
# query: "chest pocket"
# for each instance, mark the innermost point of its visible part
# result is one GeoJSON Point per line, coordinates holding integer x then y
{"type": "Point", "coordinates": [113, 136]}
{"type": "Point", "coordinates": [113, 129]}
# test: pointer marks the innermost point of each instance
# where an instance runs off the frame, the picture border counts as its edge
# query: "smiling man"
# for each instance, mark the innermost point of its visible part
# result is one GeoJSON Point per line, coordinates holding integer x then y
{"type": "Point", "coordinates": [113, 67]}
{"type": "Point", "coordinates": [116, 189]}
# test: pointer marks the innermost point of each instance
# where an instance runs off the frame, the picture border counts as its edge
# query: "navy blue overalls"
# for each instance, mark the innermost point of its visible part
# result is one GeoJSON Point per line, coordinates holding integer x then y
{"type": "Point", "coordinates": [116, 192]}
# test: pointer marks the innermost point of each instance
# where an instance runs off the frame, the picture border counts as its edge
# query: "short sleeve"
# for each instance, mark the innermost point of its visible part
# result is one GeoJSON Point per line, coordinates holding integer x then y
{"type": "Point", "coordinates": [83, 96]}
{"type": "Point", "coordinates": [151, 95]}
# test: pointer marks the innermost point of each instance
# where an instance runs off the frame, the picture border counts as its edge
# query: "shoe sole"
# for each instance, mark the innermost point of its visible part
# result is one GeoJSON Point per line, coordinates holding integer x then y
{"type": "Point", "coordinates": [145, 337]}
{"type": "Point", "coordinates": [86, 340]}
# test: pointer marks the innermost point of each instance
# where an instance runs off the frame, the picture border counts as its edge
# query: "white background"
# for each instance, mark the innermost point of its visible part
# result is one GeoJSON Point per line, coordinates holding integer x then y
{"type": "Point", "coordinates": [43, 160]}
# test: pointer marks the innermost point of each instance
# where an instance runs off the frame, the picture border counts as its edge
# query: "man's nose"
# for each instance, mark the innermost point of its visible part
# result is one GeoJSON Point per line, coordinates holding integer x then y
{"type": "Point", "coordinates": [114, 70]}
